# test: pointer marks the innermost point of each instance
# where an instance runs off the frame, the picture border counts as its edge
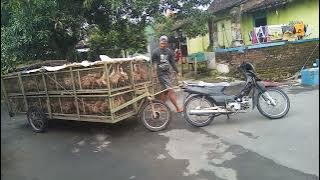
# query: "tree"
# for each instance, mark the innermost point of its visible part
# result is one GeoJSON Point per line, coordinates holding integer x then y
{"type": "Point", "coordinates": [26, 31]}
{"type": "Point", "coordinates": [69, 28]}
{"type": "Point", "coordinates": [190, 15]}
{"type": "Point", "coordinates": [38, 29]}
{"type": "Point", "coordinates": [119, 25]}
{"type": "Point", "coordinates": [41, 29]}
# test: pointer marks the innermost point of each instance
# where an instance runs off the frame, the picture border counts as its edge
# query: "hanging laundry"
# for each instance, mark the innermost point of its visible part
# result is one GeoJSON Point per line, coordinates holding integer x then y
{"type": "Point", "coordinates": [299, 29]}
{"type": "Point", "coordinates": [275, 32]}
{"type": "Point", "coordinates": [260, 33]}
{"type": "Point", "coordinates": [253, 37]}
{"type": "Point", "coordinates": [288, 36]}
{"type": "Point", "coordinates": [287, 28]}
{"type": "Point", "coordinates": [308, 30]}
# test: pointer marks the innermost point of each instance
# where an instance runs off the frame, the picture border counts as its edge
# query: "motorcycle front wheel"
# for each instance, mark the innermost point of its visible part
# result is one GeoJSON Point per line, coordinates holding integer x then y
{"type": "Point", "coordinates": [198, 102]}
{"type": "Point", "coordinates": [270, 110]}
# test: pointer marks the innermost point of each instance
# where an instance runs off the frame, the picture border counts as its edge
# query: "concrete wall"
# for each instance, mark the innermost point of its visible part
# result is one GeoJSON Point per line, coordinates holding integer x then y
{"type": "Point", "coordinates": [298, 10]}
{"type": "Point", "coordinates": [273, 63]}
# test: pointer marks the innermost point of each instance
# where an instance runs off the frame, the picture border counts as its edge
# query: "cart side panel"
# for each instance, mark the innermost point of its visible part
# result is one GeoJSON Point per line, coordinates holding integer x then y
{"type": "Point", "coordinates": [94, 106]}
{"type": "Point", "coordinates": [51, 79]}
{"type": "Point", "coordinates": [90, 78]}
{"type": "Point", "coordinates": [141, 72]}
{"type": "Point", "coordinates": [12, 85]}
{"type": "Point", "coordinates": [56, 105]}
{"type": "Point", "coordinates": [120, 100]}
{"type": "Point", "coordinates": [17, 104]}
{"type": "Point", "coordinates": [67, 105]}
{"type": "Point", "coordinates": [120, 75]}
{"type": "Point", "coordinates": [39, 102]}
{"type": "Point", "coordinates": [64, 80]}
{"type": "Point", "coordinates": [32, 83]}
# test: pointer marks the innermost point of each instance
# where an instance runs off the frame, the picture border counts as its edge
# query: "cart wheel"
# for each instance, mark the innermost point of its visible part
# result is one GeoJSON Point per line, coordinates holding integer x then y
{"type": "Point", "coordinates": [158, 119]}
{"type": "Point", "coordinates": [37, 119]}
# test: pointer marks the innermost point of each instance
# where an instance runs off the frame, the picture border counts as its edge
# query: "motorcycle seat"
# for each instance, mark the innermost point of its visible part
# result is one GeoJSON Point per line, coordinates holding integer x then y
{"type": "Point", "coordinates": [208, 90]}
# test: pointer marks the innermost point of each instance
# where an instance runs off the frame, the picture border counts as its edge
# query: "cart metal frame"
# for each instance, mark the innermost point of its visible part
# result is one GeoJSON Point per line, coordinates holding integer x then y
{"type": "Point", "coordinates": [140, 93]}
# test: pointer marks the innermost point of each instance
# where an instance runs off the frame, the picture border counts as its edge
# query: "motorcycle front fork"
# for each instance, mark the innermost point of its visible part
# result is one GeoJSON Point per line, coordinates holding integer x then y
{"type": "Point", "coordinates": [266, 96]}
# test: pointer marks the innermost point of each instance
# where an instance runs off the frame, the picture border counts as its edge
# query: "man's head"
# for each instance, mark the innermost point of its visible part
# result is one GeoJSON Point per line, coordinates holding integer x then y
{"type": "Point", "coordinates": [163, 42]}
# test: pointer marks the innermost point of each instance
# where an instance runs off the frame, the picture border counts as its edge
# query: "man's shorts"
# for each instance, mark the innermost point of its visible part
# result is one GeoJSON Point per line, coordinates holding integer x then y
{"type": "Point", "coordinates": [165, 81]}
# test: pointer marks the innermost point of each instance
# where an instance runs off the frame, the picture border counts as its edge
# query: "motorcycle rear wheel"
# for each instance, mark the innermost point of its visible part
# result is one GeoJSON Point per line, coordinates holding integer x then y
{"type": "Point", "coordinates": [204, 103]}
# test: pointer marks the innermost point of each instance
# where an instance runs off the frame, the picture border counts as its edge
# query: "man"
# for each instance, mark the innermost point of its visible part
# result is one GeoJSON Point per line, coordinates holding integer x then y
{"type": "Point", "coordinates": [163, 59]}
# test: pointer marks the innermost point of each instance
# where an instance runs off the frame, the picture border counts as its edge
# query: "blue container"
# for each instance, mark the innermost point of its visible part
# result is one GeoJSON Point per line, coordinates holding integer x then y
{"type": "Point", "coordinates": [310, 77]}
{"type": "Point", "coordinates": [317, 62]}
{"type": "Point", "coordinates": [200, 56]}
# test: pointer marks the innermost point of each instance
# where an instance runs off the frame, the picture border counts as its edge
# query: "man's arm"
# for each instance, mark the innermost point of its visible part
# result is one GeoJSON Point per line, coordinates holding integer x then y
{"type": "Point", "coordinates": [172, 61]}
{"type": "Point", "coordinates": [154, 56]}
{"type": "Point", "coordinates": [154, 59]}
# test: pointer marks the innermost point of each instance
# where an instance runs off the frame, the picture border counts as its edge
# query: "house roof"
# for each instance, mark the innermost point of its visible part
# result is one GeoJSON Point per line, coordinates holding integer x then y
{"type": "Point", "coordinates": [247, 5]}
{"type": "Point", "coordinates": [255, 5]}
{"type": "Point", "coordinates": [219, 5]}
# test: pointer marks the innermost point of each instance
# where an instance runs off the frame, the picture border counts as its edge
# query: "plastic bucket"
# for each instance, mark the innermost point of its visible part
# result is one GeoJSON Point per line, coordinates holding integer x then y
{"type": "Point", "coordinates": [310, 77]}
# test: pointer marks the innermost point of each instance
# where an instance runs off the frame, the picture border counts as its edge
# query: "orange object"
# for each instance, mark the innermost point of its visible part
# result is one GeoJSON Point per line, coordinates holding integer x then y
{"type": "Point", "coordinates": [299, 27]}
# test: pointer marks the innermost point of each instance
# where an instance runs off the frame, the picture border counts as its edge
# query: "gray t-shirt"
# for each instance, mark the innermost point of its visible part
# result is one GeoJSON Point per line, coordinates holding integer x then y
{"type": "Point", "coordinates": [163, 58]}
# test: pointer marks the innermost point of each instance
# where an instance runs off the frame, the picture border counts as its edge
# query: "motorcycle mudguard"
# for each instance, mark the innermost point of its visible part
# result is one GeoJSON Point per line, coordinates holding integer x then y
{"type": "Point", "coordinates": [187, 97]}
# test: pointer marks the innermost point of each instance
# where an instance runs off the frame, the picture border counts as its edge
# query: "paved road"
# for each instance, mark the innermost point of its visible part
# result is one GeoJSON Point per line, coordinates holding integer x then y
{"type": "Point", "coordinates": [248, 147]}
{"type": "Point", "coordinates": [292, 141]}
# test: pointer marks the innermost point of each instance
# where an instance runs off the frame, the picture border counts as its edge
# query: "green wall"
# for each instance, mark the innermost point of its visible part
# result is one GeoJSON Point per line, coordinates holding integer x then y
{"type": "Point", "coordinates": [246, 27]}
{"type": "Point", "coordinates": [298, 10]}
{"type": "Point", "coordinates": [198, 44]}
{"type": "Point", "coordinates": [224, 33]}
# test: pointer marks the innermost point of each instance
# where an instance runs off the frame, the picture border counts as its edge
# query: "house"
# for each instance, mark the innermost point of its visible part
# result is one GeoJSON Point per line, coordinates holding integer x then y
{"type": "Point", "coordinates": [234, 20]}
{"type": "Point", "coordinates": [280, 36]}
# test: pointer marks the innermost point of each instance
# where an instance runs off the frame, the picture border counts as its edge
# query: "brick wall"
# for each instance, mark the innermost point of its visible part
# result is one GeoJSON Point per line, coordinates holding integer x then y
{"type": "Point", "coordinates": [273, 63]}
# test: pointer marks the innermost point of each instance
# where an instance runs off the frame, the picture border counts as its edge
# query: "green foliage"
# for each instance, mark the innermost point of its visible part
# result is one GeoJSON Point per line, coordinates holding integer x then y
{"type": "Point", "coordinates": [119, 26]}
{"type": "Point", "coordinates": [164, 26]}
{"type": "Point", "coordinates": [37, 29]}
{"type": "Point", "coordinates": [68, 27]}
{"type": "Point", "coordinates": [189, 15]}
{"type": "Point", "coordinates": [42, 30]}
{"type": "Point", "coordinates": [103, 43]}
{"type": "Point", "coordinates": [26, 33]}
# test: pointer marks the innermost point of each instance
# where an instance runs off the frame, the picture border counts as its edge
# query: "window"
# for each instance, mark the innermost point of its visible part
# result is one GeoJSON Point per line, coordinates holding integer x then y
{"type": "Point", "coordinates": [260, 22]}
{"type": "Point", "coordinates": [260, 19]}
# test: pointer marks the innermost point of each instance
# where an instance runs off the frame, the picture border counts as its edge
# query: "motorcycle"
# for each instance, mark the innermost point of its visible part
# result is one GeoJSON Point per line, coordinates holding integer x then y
{"type": "Point", "coordinates": [205, 101]}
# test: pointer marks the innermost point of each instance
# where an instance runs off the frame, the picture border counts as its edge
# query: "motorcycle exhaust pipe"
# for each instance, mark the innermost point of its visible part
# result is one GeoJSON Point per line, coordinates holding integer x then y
{"type": "Point", "coordinates": [207, 111]}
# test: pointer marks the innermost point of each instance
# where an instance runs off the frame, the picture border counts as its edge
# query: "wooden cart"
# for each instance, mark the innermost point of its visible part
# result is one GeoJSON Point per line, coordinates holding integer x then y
{"type": "Point", "coordinates": [102, 91]}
